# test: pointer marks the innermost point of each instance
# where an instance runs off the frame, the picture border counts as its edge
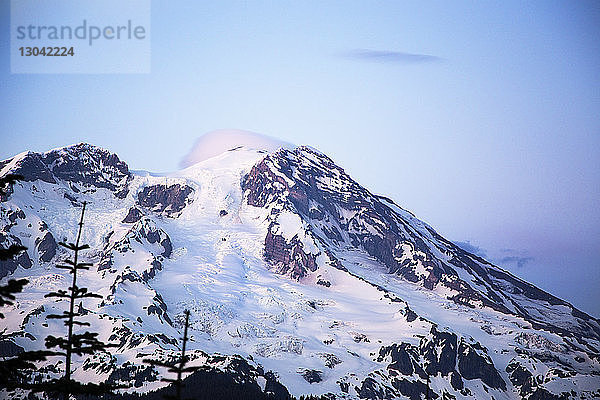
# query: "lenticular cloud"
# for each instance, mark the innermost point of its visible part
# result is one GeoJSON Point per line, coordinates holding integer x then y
{"type": "Point", "coordinates": [216, 142]}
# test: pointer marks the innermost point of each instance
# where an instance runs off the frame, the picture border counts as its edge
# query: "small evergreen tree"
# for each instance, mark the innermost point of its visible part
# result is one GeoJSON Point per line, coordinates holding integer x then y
{"type": "Point", "coordinates": [11, 252]}
{"type": "Point", "coordinates": [177, 368]}
{"type": "Point", "coordinates": [85, 343]}
{"type": "Point", "coordinates": [8, 291]}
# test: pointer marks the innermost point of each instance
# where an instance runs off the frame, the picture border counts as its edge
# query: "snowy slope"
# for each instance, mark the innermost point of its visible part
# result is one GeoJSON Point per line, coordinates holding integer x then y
{"type": "Point", "coordinates": [284, 261]}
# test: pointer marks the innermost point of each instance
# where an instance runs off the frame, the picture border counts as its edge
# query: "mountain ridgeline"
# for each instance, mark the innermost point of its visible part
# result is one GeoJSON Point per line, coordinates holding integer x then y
{"type": "Point", "coordinates": [298, 281]}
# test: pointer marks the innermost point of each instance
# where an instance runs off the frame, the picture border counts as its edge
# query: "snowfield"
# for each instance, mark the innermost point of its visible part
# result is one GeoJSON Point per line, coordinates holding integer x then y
{"type": "Point", "coordinates": [296, 286]}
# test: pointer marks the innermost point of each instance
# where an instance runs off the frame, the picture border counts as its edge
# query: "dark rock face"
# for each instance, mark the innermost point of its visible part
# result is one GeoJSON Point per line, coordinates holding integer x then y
{"type": "Point", "coordinates": [82, 164]}
{"type": "Point", "coordinates": [474, 365]}
{"type": "Point", "coordinates": [323, 282]}
{"type": "Point", "coordinates": [401, 359]}
{"type": "Point", "coordinates": [456, 381]}
{"type": "Point", "coordinates": [22, 260]}
{"type": "Point", "coordinates": [33, 168]}
{"type": "Point", "coordinates": [543, 394]}
{"type": "Point", "coordinates": [288, 257]}
{"type": "Point", "coordinates": [414, 390]}
{"type": "Point", "coordinates": [530, 385]}
{"type": "Point", "coordinates": [167, 200]}
{"type": "Point", "coordinates": [134, 215]}
{"type": "Point", "coordinates": [518, 373]}
{"type": "Point", "coordinates": [331, 360]}
{"type": "Point", "coordinates": [438, 354]}
{"type": "Point", "coordinates": [11, 218]}
{"type": "Point", "coordinates": [237, 379]}
{"type": "Point", "coordinates": [156, 266]}
{"type": "Point", "coordinates": [160, 309]}
{"type": "Point", "coordinates": [154, 235]}
{"type": "Point", "coordinates": [312, 376]}
{"type": "Point", "coordinates": [90, 166]}
{"type": "Point", "coordinates": [410, 315]}
{"type": "Point", "coordinates": [74, 201]}
{"type": "Point", "coordinates": [370, 389]}
{"type": "Point", "coordinates": [46, 247]}
{"type": "Point", "coordinates": [258, 185]}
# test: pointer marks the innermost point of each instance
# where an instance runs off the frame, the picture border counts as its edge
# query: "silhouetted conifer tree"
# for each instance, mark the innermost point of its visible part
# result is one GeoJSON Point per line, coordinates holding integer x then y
{"type": "Point", "coordinates": [11, 252]}
{"type": "Point", "coordinates": [85, 343]}
{"type": "Point", "coordinates": [178, 368]}
{"type": "Point", "coordinates": [8, 291]}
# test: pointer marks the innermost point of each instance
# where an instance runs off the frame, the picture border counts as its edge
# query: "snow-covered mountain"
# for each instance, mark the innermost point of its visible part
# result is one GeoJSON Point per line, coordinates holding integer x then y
{"type": "Point", "coordinates": [297, 278]}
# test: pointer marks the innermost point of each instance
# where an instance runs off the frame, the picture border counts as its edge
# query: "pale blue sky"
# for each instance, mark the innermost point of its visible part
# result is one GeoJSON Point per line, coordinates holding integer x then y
{"type": "Point", "coordinates": [494, 139]}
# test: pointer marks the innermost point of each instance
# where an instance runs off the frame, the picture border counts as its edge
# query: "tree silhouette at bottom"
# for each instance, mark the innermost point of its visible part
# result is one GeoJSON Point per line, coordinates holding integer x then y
{"type": "Point", "coordinates": [80, 344]}
{"type": "Point", "coordinates": [178, 368]}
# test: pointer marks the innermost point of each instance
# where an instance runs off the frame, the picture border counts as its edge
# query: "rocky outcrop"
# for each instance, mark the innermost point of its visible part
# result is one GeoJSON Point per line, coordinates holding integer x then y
{"type": "Point", "coordinates": [144, 231]}
{"type": "Point", "coordinates": [289, 257]}
{"type": "Point", "coordinates": [227, 377]}
{"type": "Point", "coordinates": [46, 247]}
{"type": "Point", "coordinates": [474, 364]}
{"type": "Point", "coordinates": [439, 354]}
{"type": "Point", "coordinates": [154, 235]}
{"type": "Point", "coordinates": [373, 390]}
{"type": "Point", "coordinates": [81, 164]}
{"type": "Point", "coordinates": [414, 390]}
{"type": "Point", "coordinates": [133, 216]}
{"type": "Point", "coordinates": [22, 260]}
{"type": "Point", "coordinates": [518, 373]}
{"type": "Point", "coordinates": [165, 200]}
{"type": "Point", "coordinates": [312, 376]}
{"type": "Point", "coordinates": [32, 168]}
{"type": "Point", "coordinates": [159, 308]}
{"type": "Point", "coordinates": [403, 358]}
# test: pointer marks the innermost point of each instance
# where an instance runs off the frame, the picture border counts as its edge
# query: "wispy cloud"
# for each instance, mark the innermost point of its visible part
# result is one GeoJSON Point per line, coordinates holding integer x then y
{"type": "Point", "coordinates": [516, 260]}
{"type": "Point", "coordinates": [387, 56]}
{"type": "Point", "coordinates": [471, 248]}
{"type": "Point", "coordinates": [507, 257]}
{"type": "Point", "coordinates": [515, 257]}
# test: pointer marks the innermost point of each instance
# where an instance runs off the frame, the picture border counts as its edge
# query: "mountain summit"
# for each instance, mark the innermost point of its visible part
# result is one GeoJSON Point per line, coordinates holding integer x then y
{"type": "Point", "coordinates": [298, 279]}
{"type": "Point", "coordinates": [217, 142]}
